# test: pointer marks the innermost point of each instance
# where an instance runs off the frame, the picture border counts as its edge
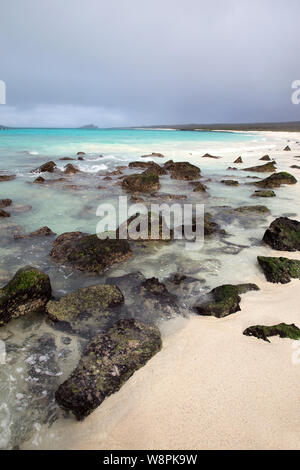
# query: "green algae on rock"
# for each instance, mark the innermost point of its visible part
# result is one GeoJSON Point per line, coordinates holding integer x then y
{"type": "Point", "coordinates": [223, 300]}
{"type": "Point", "coordinates": [87, 301]}
{"type": "Point", "coordinates": [282, 330]}
{"type": "Point", "coordinates": [27, 292]}
{"type": "Point", "coordinates": [145, 227]}
{"type": "Point", "coordinates": [230, 182]}
{"type": "Point", "coordinates": [107, 363]}
{"type": "Point", "coordinates": [276, 180]}
{"type": "Point", "coordinates": [279, 270]}
{"type": "Point", "coordinates": [88, 253]}
{"type": "Point", "coordinates": [283, 234]}
{"type": "Point", "coordinates": [252, 210]}
{"type": "Point", "coordinates": [144, 182]}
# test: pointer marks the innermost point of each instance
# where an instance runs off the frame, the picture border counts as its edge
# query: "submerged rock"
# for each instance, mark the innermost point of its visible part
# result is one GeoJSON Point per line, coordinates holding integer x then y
{"type": "Point", "coordinates": [183, 171]}
{"type": "Point", "coordinates": [46, 167]}
{"type": "Point", "coordinates": [252, 210]}
{"type": "Point", "coordinates": [145, 227]}
{"type": "Point", "coordinates": [107, 363]}
{"type": "Point", "coordinates": [27, 292]}
{"type": "Point", "coordinates": [5, 203]}
{"type": "Point", "coordinates": [297, 167]}
{"type": "Point", "coordinates": [282, 330]}
{"type": "Point", "coordinates": [88, 253]}
{"type": "Point", "coordinates": [223, 300]}
{"type": "Point", "coordinates": [153, 154]}
{"type": "Point", "coordinates": [7, 178]}
{"type": "Point", "coordinates": [283, 235]}
{"type": "Point", "coordinates": [71, 169]}
{"type": "Point", "coordinates": [264, 193]}
{"type": "Point", "coordinates": [87, 301]}
{"type": "Point", "coordinates": [39, 180]}
{"type": "Point", "coordinates": [279, 269]}
{"type": "Point", "coordinates": [267, 168]}
{"type": "Point", "coordinates": [3, 213]}
{"type": "Point", "coordinates": [276, 180]}
{"type": "Point", "coordinates": [66, 159]}
{"type": "Point", "coordinates": [230, 182]}
{"type": "Point", "coordinates": [141, 183]}
{"type": "Point", "coordinates": [41, 232]}
{"type": "Point", "coordinates": [200, 188]}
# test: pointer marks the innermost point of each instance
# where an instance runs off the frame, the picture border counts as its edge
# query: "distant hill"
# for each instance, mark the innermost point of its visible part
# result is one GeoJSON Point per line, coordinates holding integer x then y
{"type": "Point", "coordinates": [88, 126]}
{"type": "Point", "coordinates": [260, 126]}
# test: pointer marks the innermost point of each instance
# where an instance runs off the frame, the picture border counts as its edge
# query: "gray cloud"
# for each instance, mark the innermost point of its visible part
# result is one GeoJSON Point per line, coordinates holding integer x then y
{"type": "Point", "coordinates": [140, 62]}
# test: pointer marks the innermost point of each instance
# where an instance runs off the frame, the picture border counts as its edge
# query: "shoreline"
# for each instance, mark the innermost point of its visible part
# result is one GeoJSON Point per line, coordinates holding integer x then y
{"type": "Point", "coordinates": [210, 387]}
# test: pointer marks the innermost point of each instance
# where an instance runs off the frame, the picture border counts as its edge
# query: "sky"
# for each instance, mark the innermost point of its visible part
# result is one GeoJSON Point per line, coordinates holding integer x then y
{"type": "Point", "coordinates": [139, 62]}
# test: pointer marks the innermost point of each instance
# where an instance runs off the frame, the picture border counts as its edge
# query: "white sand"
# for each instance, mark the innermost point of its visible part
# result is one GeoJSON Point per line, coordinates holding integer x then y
{"type": "Point", "coordinates": [210, 387]}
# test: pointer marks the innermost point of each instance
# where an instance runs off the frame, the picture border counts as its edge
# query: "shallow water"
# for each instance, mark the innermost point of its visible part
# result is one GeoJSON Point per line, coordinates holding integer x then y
{"type": "Point", "coordinates": [39, 356]}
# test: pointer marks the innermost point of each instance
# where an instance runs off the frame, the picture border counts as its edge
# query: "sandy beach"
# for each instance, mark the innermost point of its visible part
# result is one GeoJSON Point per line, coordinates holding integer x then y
{"type": "Point", "coordinates": [210, 387]}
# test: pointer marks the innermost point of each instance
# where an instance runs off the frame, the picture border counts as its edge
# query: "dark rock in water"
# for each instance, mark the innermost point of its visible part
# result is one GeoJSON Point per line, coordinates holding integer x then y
{"type": "Point", "coordinates": [39, 180]}
{"type": "Point", "coordinates": [230, 182]}
{"type": "Point", "coordinates": [177, 278]}
{"type": "Point", "coordinates": [153, 154]}
{"type": "Point", "coordinates": [19, 208]}
{"type": "Point", "coordinates": [238, 160]}
{"type": "Point", "coordinates": [223, 300]}
{"type": "Point", "coordinates": [183, 171]}
{"type": "Point", "coordinates": [287, 149]}
{"type": "Point", "coordinates": [265, 158]}
{"type": "Point", "coordinates": [71, 169]}
{"type": "Point", "coordinates": [252, 210]}
{"type": "Point", "coordinates": [151, 167]}
{"type": "Point", "coordinates": [264, 193]}
{"type": "Point", "coordinates": [283, 235]}
{"type": "Point", "coordinates": [7, 178]}
{"type": "Point", "coordinates": [144, 182]}
{"type": "Point", "coordinates": [232, 168]}
{"type": "Point", "coordinates": [88, 253]}
{"type": "Point", "coordinates": [107, 363]}
{"type": "Point", "coordinates": [279, 270]}
{"type": "Point", "coordinates": [211, 227]}
{"type": "Point", "coordinates": [267, 168]}
{"type": "Point", "coordinates": [41, 232]}
{"type": "Point", "coordinates": [67, 158]}
{"type": "Point", "coordinates": [5, 202]}
{"type": "Point", "coordinates": [276, 180]}
{"type": "Point", "coordinates": [27, 292]}
{"type": "Point", "coordinates": [80, 158]}
{"type": "Point", "coordinates": [154, 286]}
{"type": "Point", "coordinates": [46, 167]}
{"type": "Point", "coordinates": [3, 213]}
{"type": "Point", "coordinates": [200, 188]}
{"type": "Point", "coordinates": [87, 301]}
{"type": "Point", "coordinates": [207, 155]}
{"type": "Point", "coordinates": [168, 197]}
{"type": "Point", "coordinates": [145, 227]}
{"type": "Point", "coordinates": [169, 164]}
{"type": "Point", "coordinates": [80, 153]}
{"type": "Point", "coordinates": [297, 167]}
{"type": "Point", "coordinates": [282, 330]}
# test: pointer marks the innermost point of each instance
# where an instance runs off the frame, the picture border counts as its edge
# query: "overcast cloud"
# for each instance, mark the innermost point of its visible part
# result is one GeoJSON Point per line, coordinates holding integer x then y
{"type": "Point", "coordinates": [136, 62]}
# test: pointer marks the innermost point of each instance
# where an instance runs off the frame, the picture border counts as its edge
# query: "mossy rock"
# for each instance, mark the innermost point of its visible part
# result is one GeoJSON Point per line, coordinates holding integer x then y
{"type": "Point", "coordinates": [252, 210]}
{"type": "Point", "coordinates": [230, 182]}
{"type": "Point", "coordinates": [282, 330]}
{"type": "Point", "coordinates": [147, 181]}
{"type": "Point", "coordinates": [107, 363]}
{"type": "Point", "coordinates": [224, 300]}
{"type": "Point", "coordinates": [267, 168]}
{"type": "Point", "coordinates": [283, 235]}
{"type": "Point", "coordinates": [279, 269]}
{"type": "Point", "coordinates": [276, 180]}
{"type": "Point", "coordinates": [264, 193]}
{"type": "Point", "coordinates": [85, 302]}
{"type": "Point", "coordinates": [46, 167]}
{"type": "Point", "coordinates": [183, 171]}
{"type": "Point", "coordinates": [146, 227]}
{"type": "Point", "coordinates": [88, 253]}
{"type": "Point", "coordinates": [27, 292]}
